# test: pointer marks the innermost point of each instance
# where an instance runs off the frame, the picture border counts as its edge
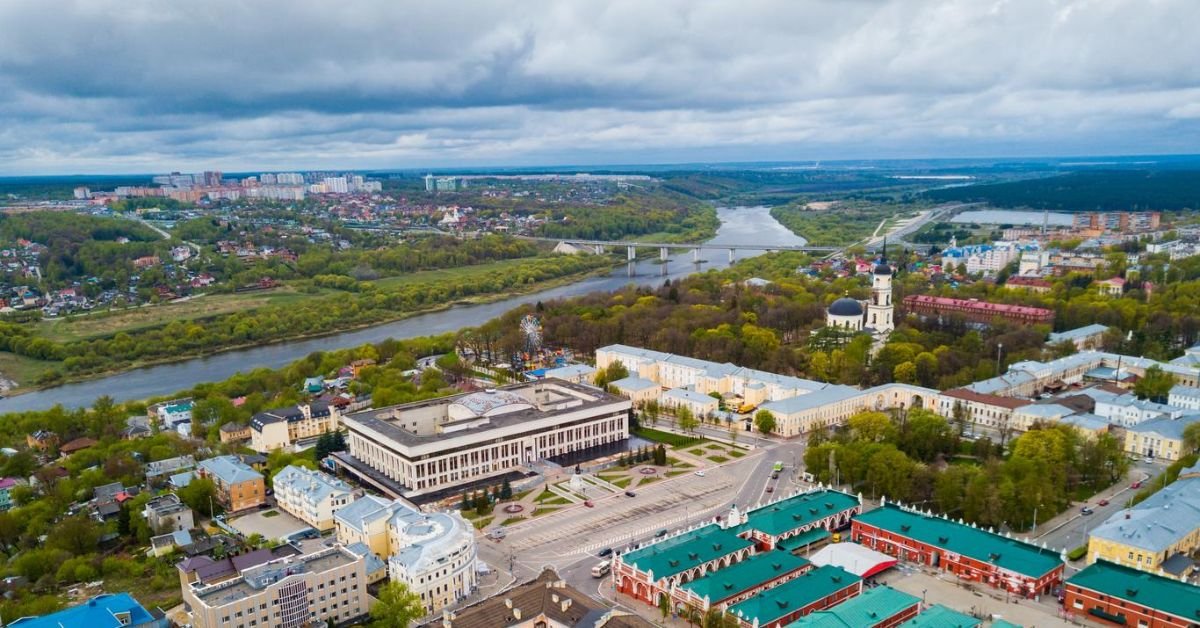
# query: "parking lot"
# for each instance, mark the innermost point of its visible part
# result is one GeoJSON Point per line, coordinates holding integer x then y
{"type": "Point", "coordinates": [974, 598]}
{"type": "Point", "coordinates": [271, 524]}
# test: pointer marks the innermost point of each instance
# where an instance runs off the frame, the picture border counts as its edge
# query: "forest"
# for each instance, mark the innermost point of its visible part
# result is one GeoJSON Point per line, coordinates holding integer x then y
{"type": "Point", "coordinates": [627, 215]}
{"type": "Point", "coordinates": [848, 222]}
{"type": "Point", "coordinates": [917, 457]}
{"type": "Point", "coordinates": [80, 245]}
{"type": "Point", "coordinates": [1108, 190]}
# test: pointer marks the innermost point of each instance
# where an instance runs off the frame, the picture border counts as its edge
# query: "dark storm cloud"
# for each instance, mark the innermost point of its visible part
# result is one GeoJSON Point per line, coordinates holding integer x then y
{"type": "Point", "coordinates": [137, 85]}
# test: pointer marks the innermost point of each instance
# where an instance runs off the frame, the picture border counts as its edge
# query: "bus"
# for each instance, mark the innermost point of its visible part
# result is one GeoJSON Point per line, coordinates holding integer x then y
{"type": "Point", "coordinates": [601, 569]}
{"type": "Point", "coordinates": [778, 466]}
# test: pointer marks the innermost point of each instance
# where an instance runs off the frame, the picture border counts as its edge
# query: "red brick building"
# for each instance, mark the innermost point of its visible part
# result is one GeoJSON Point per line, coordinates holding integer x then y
{"type": "Point", "coordinates": [1113, 595]}
{"type": "Point", "coordinates": [976, 310]}
{"type": "Point", "coordinates": [968, 552]}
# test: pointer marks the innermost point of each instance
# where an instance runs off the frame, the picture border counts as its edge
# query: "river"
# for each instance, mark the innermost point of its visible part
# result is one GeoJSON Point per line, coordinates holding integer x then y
{"type": "Point", "coordinates": [742, 225]}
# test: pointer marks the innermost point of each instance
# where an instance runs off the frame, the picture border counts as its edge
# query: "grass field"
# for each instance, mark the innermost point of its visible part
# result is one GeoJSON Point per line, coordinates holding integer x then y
{"type": "Point", "coordinates": [669, 438]}
{"type": "Point", "coordinates": [446, 274]}
{"type": "Point", "coordinates": [109, 323]}
{"type": "Point", "coordinates": [21, 369]}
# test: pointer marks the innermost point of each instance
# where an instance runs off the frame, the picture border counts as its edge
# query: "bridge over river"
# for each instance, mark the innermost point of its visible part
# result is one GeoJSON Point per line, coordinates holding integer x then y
{"type": "Point", "coordinates": [664, 248]}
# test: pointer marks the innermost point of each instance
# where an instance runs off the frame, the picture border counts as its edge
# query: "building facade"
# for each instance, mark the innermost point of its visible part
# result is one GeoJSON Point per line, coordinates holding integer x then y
{"type": "Point", "coordinates": [166, 513]}
{"type": "Point", "coordinates": [238, 486]}
{"type": "Point", "coordinates": [283, 427]}
{"type": "Point", "coordinates": [964, 550]}
{"type": "Point", "coordinates": [327, 583]}
{"type": "Point", "coordinates": [436, 445]}
{"type": "Point", "coordinates": [976, 310]}
{"type": "Point", "coordinates": [1112, 595]}
{"type": "Point", "coordinates": [433, 553]}
{"type": "Point", "coordinates": [311, 496]}
{"type": "Point", "coordinates": [1157, 535]}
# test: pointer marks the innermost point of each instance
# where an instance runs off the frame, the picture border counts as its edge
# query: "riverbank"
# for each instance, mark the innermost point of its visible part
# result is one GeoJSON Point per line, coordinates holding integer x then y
{"type": "Point", "coordinates": [21, 364]}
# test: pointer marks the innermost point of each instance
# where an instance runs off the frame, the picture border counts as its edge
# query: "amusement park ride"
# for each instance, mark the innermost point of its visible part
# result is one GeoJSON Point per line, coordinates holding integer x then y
{"type": "Point", "coordinates": [534, 354]}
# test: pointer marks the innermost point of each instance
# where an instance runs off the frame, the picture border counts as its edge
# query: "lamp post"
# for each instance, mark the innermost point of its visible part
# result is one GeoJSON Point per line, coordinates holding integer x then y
{"type": "Point", "coordinates": [999, 350]}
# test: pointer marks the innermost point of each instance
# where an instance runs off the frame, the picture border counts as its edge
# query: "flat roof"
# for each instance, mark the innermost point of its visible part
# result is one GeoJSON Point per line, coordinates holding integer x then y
{"type": "Point", "coordinates": [981, 545]}
{"type": "Point", "coordinates": [793, 595]}
{"type": "Point", "coordinates": [680, 553]}
{"type": "Point", "coordinates": [797, 511]}
{"type": "Point", "coordinates": [1162, 594]}
{"type": "Point", "coordinates": [869, 608]}
{"type": "Point", "coordinates": [380, 419]}
{"type": "Point", "coordinates": [723, 584]}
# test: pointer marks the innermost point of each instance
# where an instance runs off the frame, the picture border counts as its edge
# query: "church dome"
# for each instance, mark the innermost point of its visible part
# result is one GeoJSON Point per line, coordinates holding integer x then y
{"type": "Point", "coordinates": [846, 306]}
{"type": "Point", "coordinates": [883, 269]}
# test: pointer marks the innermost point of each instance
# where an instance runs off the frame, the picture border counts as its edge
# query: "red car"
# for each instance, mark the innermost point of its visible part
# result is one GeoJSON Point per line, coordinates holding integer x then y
{"type": "Point", "coordinates": [1103, 502]}
{"type": "Point", "coordinates": [770, 489]}
{"type": "Point", "coordinates": [1137, 484]}
{"type": "Point", "coordinates": [588, 503]}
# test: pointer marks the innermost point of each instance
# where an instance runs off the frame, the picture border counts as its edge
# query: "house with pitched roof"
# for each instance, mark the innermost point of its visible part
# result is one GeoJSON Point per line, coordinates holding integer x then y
{"type": "Point", "coordinates": [311, 496]}
{"type": "Point", "coordinates": [238, 486]}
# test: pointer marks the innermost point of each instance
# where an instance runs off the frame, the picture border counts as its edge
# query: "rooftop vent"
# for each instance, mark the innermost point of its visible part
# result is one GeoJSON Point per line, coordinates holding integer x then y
{"type": "Point", "coordinates": [905, 528]}
{"type": "Point", "coordinates": [1131, 592]}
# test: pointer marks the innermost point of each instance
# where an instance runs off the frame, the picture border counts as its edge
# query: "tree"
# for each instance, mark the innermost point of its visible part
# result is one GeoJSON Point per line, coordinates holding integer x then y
{"type": "Point", "coordinates": [610, 374]}
{"type": "Point", "coordinates": [873, 427]}
{"type": "Point", "coordinates": [506, 491]}
{"type": "Point", "coordinates": [397, 606]}
{"type": "Point", "coordinates": [1155, 385]}
{"type": "Point", "coordinates": [687, 420]}
{"type": "Point", "coordinates": [664, 605]}
{"type": "Point", "coordinates": [961, 418]}
{"type": "Point", "coordinates": [78, 535]}
{"type": "Point", "coordinates": [466, 501]}
{"type": "Point", "coordinates": [201, 495]}
{"type": "Point", "coordinates": [905, 373]}
{"type": "Point", "coordinates": [765, 421]}
{"type": "Point", "coordinates": [660, 456]}
{"type": "Point", "coordinates": [1191, 438]}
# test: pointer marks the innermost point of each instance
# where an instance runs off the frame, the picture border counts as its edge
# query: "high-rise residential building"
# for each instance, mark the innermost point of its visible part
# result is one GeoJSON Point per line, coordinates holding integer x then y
{"type": "Point", "coordinates": [430, 183]}
{"type": "Point", "coordinates": [336, 185]}
{"type": "Point", "coordinates": [289, 178]}
{"type": "Point", "coordinates": [211, 178]}
{"type": "Point", "coordinates": [82, 193]}
{"type": "Point", "coordinates": [317, 583]}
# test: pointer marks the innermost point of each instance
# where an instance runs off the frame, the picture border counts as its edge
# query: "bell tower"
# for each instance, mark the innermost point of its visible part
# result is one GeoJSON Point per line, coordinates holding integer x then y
{"type": "Point", "coordinates": [880, 309]}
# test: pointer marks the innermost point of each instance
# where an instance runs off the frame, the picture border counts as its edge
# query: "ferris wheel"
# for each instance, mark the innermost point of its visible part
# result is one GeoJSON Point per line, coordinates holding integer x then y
{"type": "Point", "coordinates": [531, 328]}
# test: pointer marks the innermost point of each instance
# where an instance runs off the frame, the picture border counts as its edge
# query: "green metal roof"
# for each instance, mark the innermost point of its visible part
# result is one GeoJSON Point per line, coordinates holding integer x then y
{"type": "Point", "coordinates": [1133, 585]}
{"type": "Point", "coordinates": [798, 511]}
{"type": "Point", "coordinates": [804, 538]}
{"type": "Point", "coordinates": [1000, 623]}
{"type": "Point", "coordinates": [938, 616]}
{"type": "Point", "coordinates": [981, 545]}
{"type": "Point", "coordinates": [728, 582]}
{"type": "Point", "coordinates": [690, 549]}
{"type": "Point", "coordinates": [768, 606]}
{"type": "Point", "coordinates": [870, 608]}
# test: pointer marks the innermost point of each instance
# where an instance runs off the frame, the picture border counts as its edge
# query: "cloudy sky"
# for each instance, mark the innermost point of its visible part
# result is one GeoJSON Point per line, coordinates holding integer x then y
{"type": "Point", "coordinates": [155, 85]}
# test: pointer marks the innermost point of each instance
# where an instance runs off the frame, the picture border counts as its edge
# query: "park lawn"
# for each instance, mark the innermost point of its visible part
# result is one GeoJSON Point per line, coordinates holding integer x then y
{"type": "Point", "coordinates": [622, 482]}
{"type": "Point", "coordinates": [481, 522]}
{"type": "Point", "coordinates": [676, 472]}
{"type": "Point", "coordinates": [736, 453]}
{"type": "Point", "coordinates": [650, 479]}
{"type": "Point", "coordinates": [22, 370]}
{"type": "Point", "coordinates": [676, 462]}
{"type": "Point", "coordinates": [718, 459]}
{"type": "Point", "coordinates": [541, 511]}
{"type": "Point", "coordinates": [510, 521]}
{"type": "Point", "coordinates": [549, 498]}
{"type": "Point", "coordinates": [713, 446]}
{"type": "Point", "coordinates": [697, 452]}
{"type": "Point", "coordinates": [674, 440]}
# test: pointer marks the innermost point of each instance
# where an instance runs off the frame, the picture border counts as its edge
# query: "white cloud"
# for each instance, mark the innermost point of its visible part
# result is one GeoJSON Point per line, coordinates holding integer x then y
{"type": "Point", "coordinates": [136, 85]}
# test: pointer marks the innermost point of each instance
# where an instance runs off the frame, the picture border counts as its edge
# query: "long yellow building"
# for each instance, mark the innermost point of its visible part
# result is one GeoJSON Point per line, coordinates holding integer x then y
{"type": "Point", "coordinates": [1159, 534]}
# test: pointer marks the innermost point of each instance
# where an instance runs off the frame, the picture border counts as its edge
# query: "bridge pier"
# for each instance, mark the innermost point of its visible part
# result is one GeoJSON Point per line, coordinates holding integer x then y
{"type": "Point", "coordinates": [630, 253]}
{"type": "Point", "coordinates": [599, 249]}
{"type": "Point", "coordinates": [631, 269]}
{"type": "Point", "coordinates": [730, 256]}
{"type": "Point", "coordinates": [696, 256]}
{"type": "Point", "coordinates": [662, 253]}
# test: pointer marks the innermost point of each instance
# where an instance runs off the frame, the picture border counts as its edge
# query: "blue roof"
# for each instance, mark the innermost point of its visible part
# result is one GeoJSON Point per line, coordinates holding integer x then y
{"type": "Point", "coordinates": [571, 370]}
{"type": "Point", "coordinates": [1081, 332]}
{"type": "Point", "coordinates": [102, 611]}
{"type": "Point", "coordinates": [315, 486]}
{"type": "Point", "coordinates": [800, 403]}
{"type": "Point", "coordinates": [689, 395]}
{"type": "Point", "coordinates": [229, 469]}
{"type": "Point", "coordinates": [633, 383]}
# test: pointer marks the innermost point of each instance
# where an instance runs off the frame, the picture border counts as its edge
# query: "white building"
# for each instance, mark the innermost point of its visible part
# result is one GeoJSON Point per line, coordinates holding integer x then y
{"type": "Point", "coordinates": [835, 404]}
{"type": "Point", "coordinates": [574, 373]}
{"type": "Point", "coordinates": [311, 496]}
{"type": "Point", "coordinates": [438, 444]}
{"type": "Point", "coordinates": [1186, 397]}
{"type": "Point", "coordinates": [1086, 337]}
{"type": "Point", "coordinates": [433, 553]}
{"type": "Point", "coordinates": [879, 317]}
{"type": "Point", "coordinates": [700, 405]}
{"type": "Point", "coordinates": [845, 313]}
{"type": "Point", "coordinates": [1128, 411]}
{"type": "Point", "coordinates": [991, 260]}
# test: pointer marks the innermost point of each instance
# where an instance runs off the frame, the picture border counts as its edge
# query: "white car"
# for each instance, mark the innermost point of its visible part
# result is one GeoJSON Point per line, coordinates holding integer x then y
{"type": "Point", "coordinates": [699, 474]}
{"type": "Point", "coordinates": [1148, 460]}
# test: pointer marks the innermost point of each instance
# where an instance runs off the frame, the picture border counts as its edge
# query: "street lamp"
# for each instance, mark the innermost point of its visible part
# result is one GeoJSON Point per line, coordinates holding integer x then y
{"type": "Point", "coordinates": [923, 591]}
{"type": "Point", "coordinates": [999, 350]}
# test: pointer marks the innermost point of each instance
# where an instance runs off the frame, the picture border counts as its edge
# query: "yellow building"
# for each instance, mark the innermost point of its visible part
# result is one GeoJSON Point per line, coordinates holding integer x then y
{"type": "Point", "coordinates": [1160, 438]}
{"type": "Point", "coordinates": [1157, 535]}
{"type": "Point", "coordinates": [282, 427]}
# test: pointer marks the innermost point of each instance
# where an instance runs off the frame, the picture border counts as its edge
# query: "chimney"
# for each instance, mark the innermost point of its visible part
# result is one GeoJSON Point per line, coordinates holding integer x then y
{"type": "Point", "coordinates": [508, 602]}
{"type": "Point", "coordinates": [566, 603]}
{"type": "Point", "coordinates": [516, 614]}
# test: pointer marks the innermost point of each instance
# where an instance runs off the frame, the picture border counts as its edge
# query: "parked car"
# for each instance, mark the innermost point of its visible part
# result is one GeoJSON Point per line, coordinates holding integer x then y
{"type": "Point", "coordinates": [1103, 502]}
{"type": "Point", "coordinates": [1086, 510]}
{"type": "Point", "coordinates": [1136, 485]}
{"type": "Point", "coordinates": [699, 474]}
{"type": "Point", "coordinates": [660, 533]}
{"type": "Point", "coordinates": [604, 552]}
{"type": "Point", "coordinates": [770, 489]}
{"type": "Point", "coordinates": [1148, 460]}
{"type": "Point", "coordinates": [588, 503]}
{"type": "Point", "coordinates": [630, 494]}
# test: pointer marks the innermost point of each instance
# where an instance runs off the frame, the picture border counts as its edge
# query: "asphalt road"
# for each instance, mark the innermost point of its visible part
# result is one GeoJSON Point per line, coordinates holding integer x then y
{"type": "Point", "coordinates": [569, 540]}
{"type": "Point", "coordinates": [1070, 529]}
